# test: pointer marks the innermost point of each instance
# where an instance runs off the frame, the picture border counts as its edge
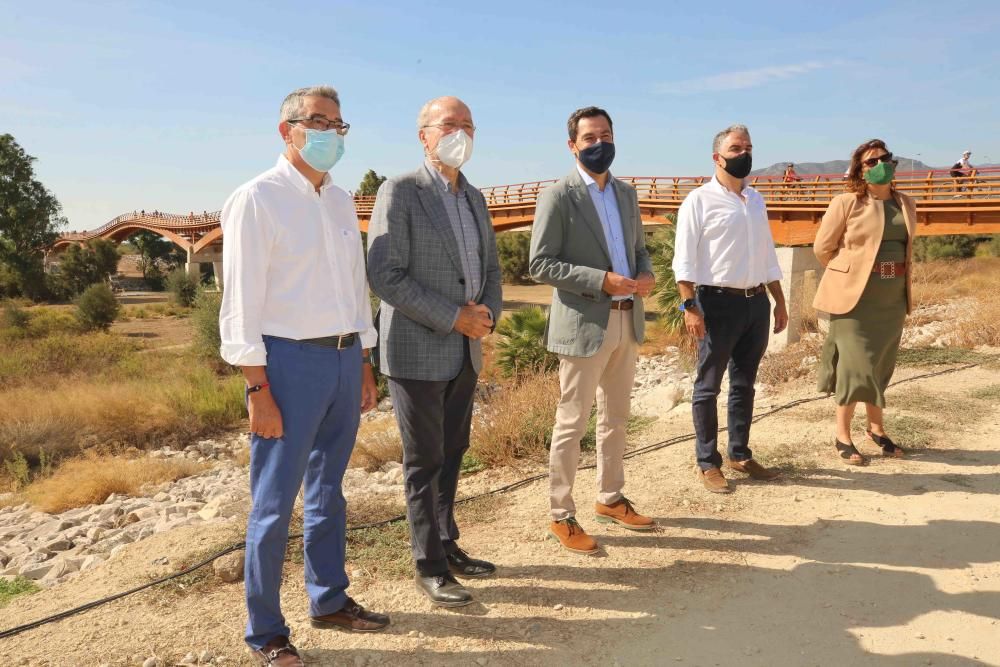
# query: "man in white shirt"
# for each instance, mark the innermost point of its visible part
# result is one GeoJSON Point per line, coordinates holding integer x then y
{"type": "Point", "coordinates": [724, 255]}
{"type": "Point", "coordinates": [296, 319]}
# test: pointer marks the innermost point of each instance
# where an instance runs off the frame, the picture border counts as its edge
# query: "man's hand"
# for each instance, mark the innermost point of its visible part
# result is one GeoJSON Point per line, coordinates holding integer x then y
{"type": "Point", "coordinates": [644, 283]}
{"type": "Point", "coordinates": [265, 417]}
{"type": "Point", "coordinates": [474, 320]}
{"type": "Point", "coordinates": [369, 391]}
{"type": "Point", "coordinates": [780, 317]}
{"type": "Point", "coordinates": [616, 284]}
{"type": "Point", "coordinates": [694, 322]}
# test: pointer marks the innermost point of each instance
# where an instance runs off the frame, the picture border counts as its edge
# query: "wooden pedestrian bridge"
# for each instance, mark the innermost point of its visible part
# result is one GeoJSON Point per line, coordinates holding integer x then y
{"type": "Point", "coordinates": [945, 205]}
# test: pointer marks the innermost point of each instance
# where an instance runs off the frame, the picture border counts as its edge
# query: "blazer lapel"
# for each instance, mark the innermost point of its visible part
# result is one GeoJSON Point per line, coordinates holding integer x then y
{"type": "Point", "coordinates": [580, 197]}
{"type": "Point", "coordinates": [430, 198]}
{"type": "Point", "coordinates": [627, 214]}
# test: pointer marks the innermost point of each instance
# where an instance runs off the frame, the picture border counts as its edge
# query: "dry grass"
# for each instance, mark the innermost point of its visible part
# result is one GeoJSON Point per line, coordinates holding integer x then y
{"type": "Point", "coordinates": [982, 325]}
{"type": "Point", "coordinates": [378, 442]}
{"type": "Point", "coordinates": [516, 422]}
{"type": "Point", "coordinates": [938, 282]}
{"type": "Point", "coordinates": [91, 478]}
{"type": "Point", "coordinates": [794, 361]}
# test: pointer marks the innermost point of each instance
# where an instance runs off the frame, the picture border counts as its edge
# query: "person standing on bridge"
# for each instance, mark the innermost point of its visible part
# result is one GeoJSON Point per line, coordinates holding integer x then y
{"type": "Point", "coordinates": [587, 242]}
{"type": "Point", "coordinates": [724, 256]}
{"type": "Point", "coordinates": [296, 319]}
{"type": "Point", "coordinates": [865, 241]}
{"type": "Point", "coordinates": [432, 259]}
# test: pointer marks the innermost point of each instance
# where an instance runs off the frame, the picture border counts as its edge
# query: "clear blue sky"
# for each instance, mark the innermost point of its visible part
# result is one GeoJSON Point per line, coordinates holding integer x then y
{"type": "Point", "coordinates": [171, 105]}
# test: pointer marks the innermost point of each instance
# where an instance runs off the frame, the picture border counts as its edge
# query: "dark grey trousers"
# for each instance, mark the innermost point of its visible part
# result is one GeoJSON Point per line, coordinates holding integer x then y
{"type": "Point", "coordinates": [434, 419]}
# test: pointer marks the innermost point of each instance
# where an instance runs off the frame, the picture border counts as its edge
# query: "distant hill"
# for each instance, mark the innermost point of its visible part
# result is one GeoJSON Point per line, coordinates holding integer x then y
{"type": "Point", "coordinates": [831, 167]}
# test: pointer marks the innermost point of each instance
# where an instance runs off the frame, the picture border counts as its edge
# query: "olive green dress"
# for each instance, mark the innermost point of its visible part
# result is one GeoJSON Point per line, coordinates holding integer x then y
{"type": "Point", "coordinates": [859, 355]}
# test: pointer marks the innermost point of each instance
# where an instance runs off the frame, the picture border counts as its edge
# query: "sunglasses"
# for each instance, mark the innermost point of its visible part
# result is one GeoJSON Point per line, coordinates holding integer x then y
{"type": "Point", "coordinates": [872, 161]}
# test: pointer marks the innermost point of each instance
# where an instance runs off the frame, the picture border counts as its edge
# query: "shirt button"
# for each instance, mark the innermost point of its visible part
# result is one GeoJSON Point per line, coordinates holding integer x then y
{"type": "Point", "coordinates": [461, 281]}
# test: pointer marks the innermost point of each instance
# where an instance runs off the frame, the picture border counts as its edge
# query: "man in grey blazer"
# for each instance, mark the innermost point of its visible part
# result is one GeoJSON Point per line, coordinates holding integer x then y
{"type": "Point", "coordinates": [587, 242]}
{"type": "Point", "coordinates": [432, 259]}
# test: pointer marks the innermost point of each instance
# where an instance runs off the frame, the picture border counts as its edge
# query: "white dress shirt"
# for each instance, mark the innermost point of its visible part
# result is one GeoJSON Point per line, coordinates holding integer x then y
{"type": "Point", "coordinates": [293, 265]}
{"type": "Point", "coordinates": [724, 240]}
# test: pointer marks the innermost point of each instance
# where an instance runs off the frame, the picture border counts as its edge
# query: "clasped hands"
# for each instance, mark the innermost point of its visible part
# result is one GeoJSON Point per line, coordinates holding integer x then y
{"type": "Point", "coordinates": [474, 320]}
{"type": "Point", "coordinates": [616, 284]}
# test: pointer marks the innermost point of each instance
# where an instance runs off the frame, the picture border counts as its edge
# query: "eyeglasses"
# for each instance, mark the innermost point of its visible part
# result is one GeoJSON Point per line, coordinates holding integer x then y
{"type": "Point", "coordinates": [872, 161]}
{"type": "Point", "coordinates": [450, 127]}
{"type": "Point", "coordinates": [322, 123]}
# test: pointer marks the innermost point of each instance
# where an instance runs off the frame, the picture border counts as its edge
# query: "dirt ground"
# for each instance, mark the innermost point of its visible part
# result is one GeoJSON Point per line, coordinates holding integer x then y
{"type": "Point", "coordinates": [896, 563]}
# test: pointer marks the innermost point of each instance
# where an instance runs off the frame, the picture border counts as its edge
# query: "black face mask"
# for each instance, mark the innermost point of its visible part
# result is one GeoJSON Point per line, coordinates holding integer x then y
{"type": "Point", "coordinates": [598, 158]}
{"type": "Point", "coordinates": [739, 166]}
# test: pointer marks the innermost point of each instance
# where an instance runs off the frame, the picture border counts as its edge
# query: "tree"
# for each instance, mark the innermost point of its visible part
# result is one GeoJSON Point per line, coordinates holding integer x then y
{"type": "Point", "coordinates": [97, 308]}
{"type": "Point", "coordinates": [153, 251]}
{"type": "Point", "coordinates": [513, 250]}
{"type": "Point", "coordinates": [83, 266]}
{"type": "Point", "coordinates": [29, 218]}
{"type": "Point", "coordinates": [369, 184]}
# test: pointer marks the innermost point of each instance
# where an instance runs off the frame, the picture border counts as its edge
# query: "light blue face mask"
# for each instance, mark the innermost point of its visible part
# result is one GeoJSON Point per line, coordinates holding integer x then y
{"type": "Point", "coordinates": [323, 149]}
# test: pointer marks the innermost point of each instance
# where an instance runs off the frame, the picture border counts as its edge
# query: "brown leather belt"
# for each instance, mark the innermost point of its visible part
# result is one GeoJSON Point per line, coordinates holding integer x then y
{"type": "Point", "coordinates": [889, 269]}
{"type": "Point", "coordinates": [624, 304]}
{"type": "Point", "coordinates": [748, 292]}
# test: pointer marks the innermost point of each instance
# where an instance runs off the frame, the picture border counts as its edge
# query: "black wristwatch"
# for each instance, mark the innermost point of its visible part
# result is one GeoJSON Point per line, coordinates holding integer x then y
{"type": "Point", "coordinates": [688, 304]}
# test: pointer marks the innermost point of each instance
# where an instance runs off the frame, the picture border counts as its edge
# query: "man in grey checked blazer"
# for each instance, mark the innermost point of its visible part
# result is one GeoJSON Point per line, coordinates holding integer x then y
{"type": "Point", "coordinates": [587, 242]}
{"type": "Point", "coordinates": [432, 259]}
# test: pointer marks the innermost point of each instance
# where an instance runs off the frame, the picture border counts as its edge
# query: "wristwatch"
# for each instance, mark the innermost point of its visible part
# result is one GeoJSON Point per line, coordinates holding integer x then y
{"type": "Point", "coordinates": [688, 304]}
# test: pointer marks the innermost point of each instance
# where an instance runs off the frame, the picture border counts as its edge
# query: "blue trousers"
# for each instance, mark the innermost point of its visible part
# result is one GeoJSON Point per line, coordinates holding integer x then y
{"type": "Point", "coordinates": [736, 332]}
{"type": "Point", "coordinates": [318, 390]}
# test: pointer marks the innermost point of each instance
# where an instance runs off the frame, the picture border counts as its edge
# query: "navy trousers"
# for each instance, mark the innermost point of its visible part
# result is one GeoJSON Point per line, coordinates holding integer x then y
{"type": "Point", "coordinates": [736, 333]}
{"type": "Point", "coordinates": [318, 390]}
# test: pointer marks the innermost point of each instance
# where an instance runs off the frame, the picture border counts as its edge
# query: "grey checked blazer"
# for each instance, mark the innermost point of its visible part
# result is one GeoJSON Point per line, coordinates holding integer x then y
{"type": "Point", "coordinates": [415, 268]}
{"type": "Point", "coordinates": [569, 252]}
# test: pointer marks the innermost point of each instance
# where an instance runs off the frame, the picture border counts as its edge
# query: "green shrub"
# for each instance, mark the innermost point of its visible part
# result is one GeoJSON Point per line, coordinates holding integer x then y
{"type": "Point", "coordinates": [97, 308]}
{"type": "Point", "coordinates": [521, 348]}
{"type": "Point", "coordinates": [182, 287]}
{"type": "Point", "coordinates": [15, 317]}
{"type": "Point", "coordinates": [513, 250]}
{"type": "Point", "coordinates": [929, 248]}
{"type": "Point", "coordinates": [205, 318]}
{"type": "Point", "coordinates": [10, 588]}
{"type": "Point", "coordinates": [989, 248]}
{"type": "Point", "coordinates": [661, 251]}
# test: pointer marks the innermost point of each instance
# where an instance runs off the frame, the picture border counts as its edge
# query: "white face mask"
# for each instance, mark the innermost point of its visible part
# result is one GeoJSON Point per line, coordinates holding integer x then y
{"type": "Point", "coordinates": [455, 149]}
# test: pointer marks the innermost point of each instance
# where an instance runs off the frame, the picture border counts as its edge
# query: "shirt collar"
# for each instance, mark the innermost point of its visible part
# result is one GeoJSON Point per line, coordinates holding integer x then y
{"type": "Point", "coordinates": [745, 191]}
{"type": "Point", "coordinates": [588, 180]}
{"type": "Point", "coordinates": [442, 181]}
{"type": "Point", "coordinates": [288, 170]}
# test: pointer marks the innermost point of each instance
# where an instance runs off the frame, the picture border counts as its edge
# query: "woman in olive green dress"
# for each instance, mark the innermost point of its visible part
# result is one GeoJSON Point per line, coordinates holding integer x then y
{"type": "Point", "coordinates": [865, 243]}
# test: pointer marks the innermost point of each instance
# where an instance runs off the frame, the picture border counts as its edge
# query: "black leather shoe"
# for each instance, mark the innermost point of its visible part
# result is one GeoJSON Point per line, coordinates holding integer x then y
{"type": "Point", "coordinates": [444, 591]}
{"type": "Point", "coordinates": [461, 564]}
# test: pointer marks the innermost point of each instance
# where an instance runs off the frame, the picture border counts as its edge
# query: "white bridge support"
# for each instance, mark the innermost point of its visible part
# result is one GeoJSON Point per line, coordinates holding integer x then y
{"type": "Point", "coordinates": [795, 262]}
{"type": "Point", "coordinates": [211, 254]}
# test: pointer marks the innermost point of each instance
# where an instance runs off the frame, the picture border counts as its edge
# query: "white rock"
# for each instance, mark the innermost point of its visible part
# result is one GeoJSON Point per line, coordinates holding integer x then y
{"type": "Point", "coordinates": [35, 571]}
{"type": "Point", "coordinates": [151, 662]}
{"type": "Point", "coordinates": [91, 561]}
{"type": "Point", "coordinates": [229, 568]}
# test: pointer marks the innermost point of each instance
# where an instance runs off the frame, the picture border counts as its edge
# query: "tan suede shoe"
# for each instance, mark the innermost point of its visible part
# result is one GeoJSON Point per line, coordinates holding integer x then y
{"type": "Point", "coordinates": [624, 514]}
{"type": "Point", "coordinates": [713, 480]}
{"type": "Point", "coordinates": [754, 469]}
{"type": "Point", "coordinates": [572, 537]}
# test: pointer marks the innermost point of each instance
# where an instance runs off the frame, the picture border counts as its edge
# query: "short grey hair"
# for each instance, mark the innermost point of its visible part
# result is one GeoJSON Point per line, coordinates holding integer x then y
{"type": "Point", "coordinates": [292, 107]}
{"type": "Point", "coordinates": [721, 136]}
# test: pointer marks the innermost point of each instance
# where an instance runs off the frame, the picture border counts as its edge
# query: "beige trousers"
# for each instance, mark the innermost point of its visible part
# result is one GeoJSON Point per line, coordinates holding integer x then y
{"type": "Point", "coordinates": [609, 374]}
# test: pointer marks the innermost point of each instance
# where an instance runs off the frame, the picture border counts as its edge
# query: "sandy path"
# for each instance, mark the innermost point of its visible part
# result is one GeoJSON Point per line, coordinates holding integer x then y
{"type": "Point", "coordinates": [894, 564]}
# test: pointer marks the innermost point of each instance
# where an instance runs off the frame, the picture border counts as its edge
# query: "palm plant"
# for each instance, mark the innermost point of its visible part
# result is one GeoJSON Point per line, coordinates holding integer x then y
{"type": "Point", "coordinates": [661, 251]}
{"type": "Point", "coordinates": [521, 348]}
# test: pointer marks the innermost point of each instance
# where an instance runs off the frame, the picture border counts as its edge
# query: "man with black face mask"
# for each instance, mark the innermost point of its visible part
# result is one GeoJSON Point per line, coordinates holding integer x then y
{"type": "Point", "coordinates": [587, 243]}
{"type": "Point", "coordinates": [723, 257]}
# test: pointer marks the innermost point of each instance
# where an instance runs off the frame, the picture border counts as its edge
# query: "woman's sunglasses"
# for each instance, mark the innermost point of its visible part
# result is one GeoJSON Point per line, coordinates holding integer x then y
{"type": "Point", "coordinates": [872, 161]}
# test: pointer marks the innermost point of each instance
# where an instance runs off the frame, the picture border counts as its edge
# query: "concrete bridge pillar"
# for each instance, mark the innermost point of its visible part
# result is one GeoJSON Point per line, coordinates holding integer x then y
{"type": "Point", "coordinates": [217, 268]}
{"type": "Point", "coordinates": [794, 263]}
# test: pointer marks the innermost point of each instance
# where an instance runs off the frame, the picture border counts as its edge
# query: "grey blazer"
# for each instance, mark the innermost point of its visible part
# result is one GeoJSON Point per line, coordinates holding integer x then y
{"type": "Point", "coordinates": [415, 268]}
{"type": "Point", "coordinates": [569, 252]}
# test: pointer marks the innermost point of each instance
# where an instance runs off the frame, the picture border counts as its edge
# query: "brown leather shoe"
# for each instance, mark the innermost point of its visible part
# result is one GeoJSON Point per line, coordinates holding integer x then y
{"type": "Point", "coordinates": [353, 617]}
{"type": "Point", "coordinates": [624, 514]}
{"type": "Point", "coordinates": [278, 652]}
{"type": "Point", "coordinates": [713, 480]}
{"type": "Point", "coordinates": [572, 537]}
{"type": "Point", "coordinates": [754, 469]}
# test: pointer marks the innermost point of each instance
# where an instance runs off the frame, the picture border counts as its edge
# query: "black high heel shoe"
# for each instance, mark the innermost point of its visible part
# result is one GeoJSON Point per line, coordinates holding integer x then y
{"type": "Point", "coordinates": [848, 452]}
{"type": "Point", "coordinates": [889, 448]}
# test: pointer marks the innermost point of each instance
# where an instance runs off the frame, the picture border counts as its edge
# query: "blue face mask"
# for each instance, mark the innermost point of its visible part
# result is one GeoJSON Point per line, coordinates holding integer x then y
{"type": "Point", "coordinates": [322, 149]}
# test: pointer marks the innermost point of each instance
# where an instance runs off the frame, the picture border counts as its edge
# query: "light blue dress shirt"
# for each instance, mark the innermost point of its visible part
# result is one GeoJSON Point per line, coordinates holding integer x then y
{"type": "Point", "coordinates": [606, 204]}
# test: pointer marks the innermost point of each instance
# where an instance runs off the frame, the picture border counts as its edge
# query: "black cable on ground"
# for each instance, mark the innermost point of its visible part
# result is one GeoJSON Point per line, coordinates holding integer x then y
{"type": "Point", "coordinates": [377, 524]}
